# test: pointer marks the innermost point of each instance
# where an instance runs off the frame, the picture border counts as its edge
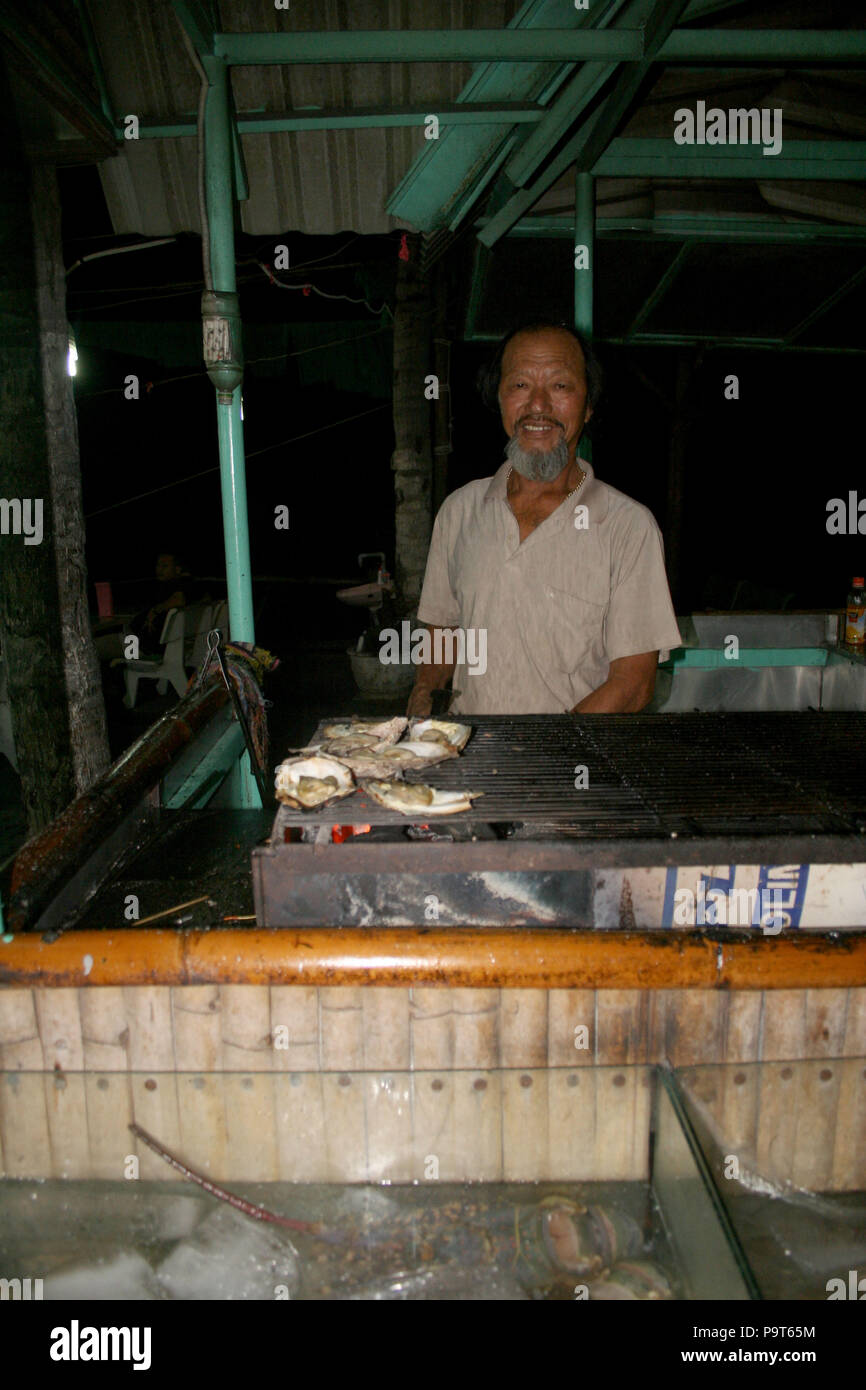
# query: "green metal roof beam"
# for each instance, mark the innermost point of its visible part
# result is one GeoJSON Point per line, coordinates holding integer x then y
{"type": "Point", "coordinates": [562, 114]}
{"type": "Point", "coordinates": [453, 171]}
{"type": "Point", "coordinates": [841, 293]}
{"type": "Point", "coordinates": [450, 174]}
{"type": "Point", "coordinates": [540, 45]}
{"type": "Point", "coordinates": [95, 60]}
{"type": "Point", "coordinates": [710, 344]}
{"type": "Point", "coordinates": [462, 206]}
{"type": "Point", "coordinates": [700, 9]}
{"type": "Point", "coordinates": [567, 108]}
{"type": "Point", "coordinates": [661, 288]}
{"type": "Point", "coordinates": [699, 229]}
{"type": "Point", "coordinates": [57, 83]}
{"type": "Point", "coordinates": [239, 164]}
{"type": "Point", "coordinates": [760, 45]}
{"type": "Point", "coordinates": [594, 136]}
{"type": "Point", "coordinates": [198, 20]}
{"type": "Point", "coordinates": [514, 113]}
{"type": "Point", "coordinates": [431, 46]}
{"type": "Point", "coordinates": [798, 159]}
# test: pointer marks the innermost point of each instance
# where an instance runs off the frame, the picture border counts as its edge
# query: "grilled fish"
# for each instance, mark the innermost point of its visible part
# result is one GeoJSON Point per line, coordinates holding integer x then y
{"type": "Point", "coordinates": [307, 783]}
{"type": "Point", "coordinates": [412, 798]}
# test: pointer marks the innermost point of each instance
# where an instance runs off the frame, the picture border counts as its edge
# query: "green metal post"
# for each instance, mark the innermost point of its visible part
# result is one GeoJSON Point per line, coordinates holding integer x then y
{"type": "Point", "coordinates": [584, 235]}
{"type": "Point", "coordinates": [219, 194]}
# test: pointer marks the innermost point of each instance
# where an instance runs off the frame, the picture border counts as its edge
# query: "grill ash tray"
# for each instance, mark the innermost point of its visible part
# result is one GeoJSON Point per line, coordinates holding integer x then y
{"type": "Point", "coordinates": [565, 797]}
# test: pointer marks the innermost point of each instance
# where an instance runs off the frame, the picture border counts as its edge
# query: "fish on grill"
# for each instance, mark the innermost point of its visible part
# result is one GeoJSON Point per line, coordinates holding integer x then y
{"type": "Point", "coordinates": [307, 783]}
{"type": "Point", "coordinates": [410, 798]}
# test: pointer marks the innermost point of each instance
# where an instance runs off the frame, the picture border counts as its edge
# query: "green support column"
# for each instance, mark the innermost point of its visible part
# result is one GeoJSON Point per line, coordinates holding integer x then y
{"type": "Point", "coordinates": [219, 192]}
{"type": "Point", "coordinates": [584, 235]}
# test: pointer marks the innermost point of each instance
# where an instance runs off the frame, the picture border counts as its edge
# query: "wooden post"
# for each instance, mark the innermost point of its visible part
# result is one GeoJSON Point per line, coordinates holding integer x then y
{"type": "Point", "coordinates": [442, 406]}
{"type": "Point", "coordinates": [58, 718]}
{"type": "Point", "coordinates": [412, 457]}
{"type": "Point", "coordinates": [84, 699]}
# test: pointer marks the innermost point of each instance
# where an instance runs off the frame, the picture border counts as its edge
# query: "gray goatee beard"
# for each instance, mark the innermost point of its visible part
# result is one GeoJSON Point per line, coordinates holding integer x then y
{"type": "Point", "coordinates": [534, 465]}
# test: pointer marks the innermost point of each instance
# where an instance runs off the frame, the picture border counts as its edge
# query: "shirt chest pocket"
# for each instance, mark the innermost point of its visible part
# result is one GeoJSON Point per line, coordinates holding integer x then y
{"type": "Point", "coordinates": [571, 631]}
{"type": "Point", "coordinates": [473, 571]}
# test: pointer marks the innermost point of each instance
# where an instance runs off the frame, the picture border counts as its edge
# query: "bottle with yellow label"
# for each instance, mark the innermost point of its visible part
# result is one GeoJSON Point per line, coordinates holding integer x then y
{"type": "Point", "coordinates": [855, 617]}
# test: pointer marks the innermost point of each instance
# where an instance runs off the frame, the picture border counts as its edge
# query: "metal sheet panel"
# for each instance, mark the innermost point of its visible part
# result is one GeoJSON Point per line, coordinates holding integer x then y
{"type": "Point", "coordinates": [319, 182]}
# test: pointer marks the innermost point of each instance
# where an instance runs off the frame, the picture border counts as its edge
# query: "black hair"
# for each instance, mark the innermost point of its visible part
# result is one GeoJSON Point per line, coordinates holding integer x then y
{"type": "Point", "coordinates": [176, 554]}
{"type": "Point", "coordinates": [490, 375]}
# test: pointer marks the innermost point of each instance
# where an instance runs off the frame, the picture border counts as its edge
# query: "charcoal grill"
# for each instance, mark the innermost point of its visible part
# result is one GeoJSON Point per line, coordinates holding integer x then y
{"type": "Point", "coordinates": [595, 821]}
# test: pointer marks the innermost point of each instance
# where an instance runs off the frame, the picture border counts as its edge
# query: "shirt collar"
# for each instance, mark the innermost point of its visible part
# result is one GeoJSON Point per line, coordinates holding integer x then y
{"type": "Point", "coordinates": [589, 494]}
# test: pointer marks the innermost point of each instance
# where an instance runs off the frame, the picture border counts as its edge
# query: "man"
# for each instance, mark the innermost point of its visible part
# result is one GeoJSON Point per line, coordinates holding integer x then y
{"type": "Point", "coordinates": [563, 573]}
{"type": "Point", "coordinates": [173, 589]}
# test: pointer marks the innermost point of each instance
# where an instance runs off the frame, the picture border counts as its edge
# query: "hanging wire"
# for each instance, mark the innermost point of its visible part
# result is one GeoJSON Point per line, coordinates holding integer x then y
{"type": "Point", "coordinates": [190, 477]}
{"type": "Point", "coordinates": [119, 251]}
{"type": "Point", "coordinates": [323, 294]}
{"type": "Point", "coordinates": [250, 362]}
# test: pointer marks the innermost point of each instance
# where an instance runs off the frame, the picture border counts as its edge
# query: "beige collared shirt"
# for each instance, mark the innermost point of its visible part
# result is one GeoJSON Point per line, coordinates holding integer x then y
{"type": "Point", "coordinates": [586, 586]}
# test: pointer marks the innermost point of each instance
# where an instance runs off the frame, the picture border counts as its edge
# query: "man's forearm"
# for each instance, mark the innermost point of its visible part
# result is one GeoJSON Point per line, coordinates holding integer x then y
{"type": "Point", "coordinates": [630, 684]}
{"type": "Point", "coordinates": [614, 697]}
{"type": "Point", "coordinates": [431, 675]}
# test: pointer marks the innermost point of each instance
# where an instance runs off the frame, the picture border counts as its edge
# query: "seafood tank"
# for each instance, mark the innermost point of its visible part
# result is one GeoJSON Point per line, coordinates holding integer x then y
{"type": "Point", "coordinates": [782, 1146]}
{"type": "Point", "coordinates": [598, 1183]}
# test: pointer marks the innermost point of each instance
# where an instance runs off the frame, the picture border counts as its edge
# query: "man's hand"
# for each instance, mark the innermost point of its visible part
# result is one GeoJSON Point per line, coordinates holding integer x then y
{"type": "Point", "coordinates": [628, 689]}
{"type": "Point", "coordinates": [420, 704]}
{"type": "Point", "coordinates": [433, 675]}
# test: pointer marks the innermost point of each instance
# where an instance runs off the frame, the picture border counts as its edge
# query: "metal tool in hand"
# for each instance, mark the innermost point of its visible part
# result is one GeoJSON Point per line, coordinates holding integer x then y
{"type": "Point", "coordinates": [214, 649]}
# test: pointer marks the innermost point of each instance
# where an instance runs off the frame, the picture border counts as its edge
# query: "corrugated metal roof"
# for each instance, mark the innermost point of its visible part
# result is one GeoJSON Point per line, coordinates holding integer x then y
{"type": "Point", "coordinates": [319, 182]}
{"type": "Point", "coordinates": [323, 182]}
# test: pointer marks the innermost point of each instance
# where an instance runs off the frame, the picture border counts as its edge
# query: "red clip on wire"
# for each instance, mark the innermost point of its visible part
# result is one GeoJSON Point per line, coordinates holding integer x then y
{"type": "Point", "coordinates": [403, 253]}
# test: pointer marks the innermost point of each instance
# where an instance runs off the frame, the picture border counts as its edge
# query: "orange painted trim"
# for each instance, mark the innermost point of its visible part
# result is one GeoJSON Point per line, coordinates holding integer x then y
{"type": "Point", "coordinates": [472, 957]}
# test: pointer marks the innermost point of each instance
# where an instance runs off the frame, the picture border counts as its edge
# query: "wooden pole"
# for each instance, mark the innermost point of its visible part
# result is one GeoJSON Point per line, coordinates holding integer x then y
{"type": "Point", "coordinates": [84, 698]}
{"type": "Point", "coordinates": [442, 405]}
{"type": "Point", "coordinates": [412, 460]}
{"type": "Point", "coordinates": [58, 720]}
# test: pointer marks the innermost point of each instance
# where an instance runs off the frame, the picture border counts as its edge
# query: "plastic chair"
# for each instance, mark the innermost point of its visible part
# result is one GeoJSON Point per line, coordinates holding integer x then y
{"type": "Point", "coordinates": [219, 619]}
{"type": "Point", "coordinates": [169, 669]}
{"type": "Point", "coordinates": [198, 625]}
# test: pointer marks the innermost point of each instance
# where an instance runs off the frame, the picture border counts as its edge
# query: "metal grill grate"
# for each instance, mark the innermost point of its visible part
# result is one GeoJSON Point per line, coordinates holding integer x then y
{"type": "Point", "coordinates": [648, 775]}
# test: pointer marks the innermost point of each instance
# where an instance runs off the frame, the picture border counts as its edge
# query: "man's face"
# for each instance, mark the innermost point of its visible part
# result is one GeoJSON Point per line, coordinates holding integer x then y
{"type": "Point", "coordinates": [166, 567]}
{"type": "Point", "coordinates": [543, 400]}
